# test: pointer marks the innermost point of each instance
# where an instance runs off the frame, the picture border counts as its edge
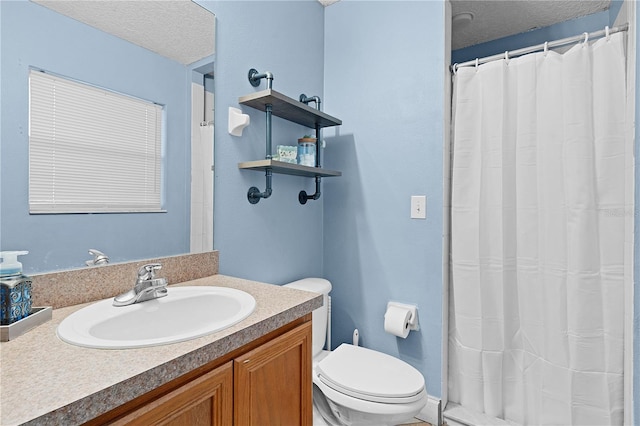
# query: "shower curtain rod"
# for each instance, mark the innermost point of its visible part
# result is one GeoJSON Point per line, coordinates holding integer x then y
{"type": "Point", "coordinates": [547, 45]}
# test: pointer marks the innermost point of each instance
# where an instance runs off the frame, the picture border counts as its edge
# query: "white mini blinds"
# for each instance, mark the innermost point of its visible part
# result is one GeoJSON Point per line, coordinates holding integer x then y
{"type": "Point", "coordinates": [91, 150]}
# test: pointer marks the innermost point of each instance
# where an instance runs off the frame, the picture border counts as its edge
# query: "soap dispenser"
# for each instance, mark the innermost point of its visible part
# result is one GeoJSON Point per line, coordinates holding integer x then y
{"type": "Point", "coordinates": [15, 288]}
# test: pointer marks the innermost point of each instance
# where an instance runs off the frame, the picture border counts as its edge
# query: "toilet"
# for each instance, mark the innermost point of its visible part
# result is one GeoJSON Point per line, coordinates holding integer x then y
{"type": "Point", "coordinates": [353, 385]}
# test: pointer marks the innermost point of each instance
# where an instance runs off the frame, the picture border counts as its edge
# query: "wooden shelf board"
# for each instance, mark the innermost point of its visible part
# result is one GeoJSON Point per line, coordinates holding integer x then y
{"type": "Point", "coordinates": [281, 167]}
{"type": "Point", "coordinates": [289, 109]}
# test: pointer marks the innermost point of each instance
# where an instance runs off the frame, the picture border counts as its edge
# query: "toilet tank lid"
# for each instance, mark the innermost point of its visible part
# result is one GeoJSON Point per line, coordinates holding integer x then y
{"type": "Point", "coordinates": [317, 285]}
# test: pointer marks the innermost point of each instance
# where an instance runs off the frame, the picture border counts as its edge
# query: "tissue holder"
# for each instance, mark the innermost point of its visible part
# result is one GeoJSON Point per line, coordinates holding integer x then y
{"type": "Point", "coordinates": [413, 320]}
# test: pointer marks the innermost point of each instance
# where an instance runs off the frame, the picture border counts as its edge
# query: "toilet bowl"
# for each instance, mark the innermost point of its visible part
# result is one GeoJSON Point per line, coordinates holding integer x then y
{"type": "Point", "coordinates": [353, 385]}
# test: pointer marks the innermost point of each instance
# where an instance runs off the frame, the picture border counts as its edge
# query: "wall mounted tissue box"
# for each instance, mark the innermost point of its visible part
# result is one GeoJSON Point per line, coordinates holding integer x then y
{"type": "Point", "coordinates": [237, 121]}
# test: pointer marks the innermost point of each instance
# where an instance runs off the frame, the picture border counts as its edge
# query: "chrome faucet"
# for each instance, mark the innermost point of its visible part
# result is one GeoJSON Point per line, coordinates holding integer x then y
{"type": "Point", "coordinates": [147, 287]}
{"type": "Point", "coordinates": [99, 258]}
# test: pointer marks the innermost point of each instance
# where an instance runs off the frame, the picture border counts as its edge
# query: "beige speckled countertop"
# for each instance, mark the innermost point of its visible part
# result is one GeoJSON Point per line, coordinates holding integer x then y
{"type": "Point", "coordinates": [46, 381]}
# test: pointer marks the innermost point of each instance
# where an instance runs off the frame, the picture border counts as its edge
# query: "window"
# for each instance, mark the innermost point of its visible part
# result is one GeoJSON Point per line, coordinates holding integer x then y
{"type": "Point", "coordinates": [91, 150]}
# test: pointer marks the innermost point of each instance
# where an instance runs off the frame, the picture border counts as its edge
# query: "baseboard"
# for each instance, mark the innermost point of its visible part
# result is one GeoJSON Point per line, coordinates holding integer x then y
{"type": "Point", "coordinates": [455, 414]}
{"type": "Point", "coordinates": [432, 412]}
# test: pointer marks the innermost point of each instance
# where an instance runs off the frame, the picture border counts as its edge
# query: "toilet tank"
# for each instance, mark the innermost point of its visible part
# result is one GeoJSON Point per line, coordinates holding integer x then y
{"type": "Point", "coordinates": [320, 316]}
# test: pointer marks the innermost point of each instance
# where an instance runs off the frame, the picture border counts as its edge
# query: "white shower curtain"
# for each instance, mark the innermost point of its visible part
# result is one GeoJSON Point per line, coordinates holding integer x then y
{"type": "Point", "coordinates": [201, 188]}
{"type": "Point", "coordinates": [537, 224]}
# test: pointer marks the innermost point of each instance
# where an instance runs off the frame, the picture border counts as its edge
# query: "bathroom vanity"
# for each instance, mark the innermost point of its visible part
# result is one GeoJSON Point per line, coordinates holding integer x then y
{"type": "Point", "coordinates": [255, 372]}
{"type": "Point", "coordinates": [250, 387]}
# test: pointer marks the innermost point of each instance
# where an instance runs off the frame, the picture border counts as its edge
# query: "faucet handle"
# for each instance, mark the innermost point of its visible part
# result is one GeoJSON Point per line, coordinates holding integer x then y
{"type": "Point", "coordinates": [148, 272]}
{"type": "Point", "coordinates": [99, 258]}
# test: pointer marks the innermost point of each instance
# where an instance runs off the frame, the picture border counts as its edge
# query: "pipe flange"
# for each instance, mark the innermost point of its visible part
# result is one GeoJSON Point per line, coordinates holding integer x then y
{"type": "Point", "coordinates": [255, 82]}
{"type": "Point", "coordinates": [302, 197]}
{"type": "Point", "coordinates": [254, 195]}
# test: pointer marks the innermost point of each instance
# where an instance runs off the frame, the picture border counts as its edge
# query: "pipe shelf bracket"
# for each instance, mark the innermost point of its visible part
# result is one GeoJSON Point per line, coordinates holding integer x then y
{"type": "Point", "coordinates": [255, 77]}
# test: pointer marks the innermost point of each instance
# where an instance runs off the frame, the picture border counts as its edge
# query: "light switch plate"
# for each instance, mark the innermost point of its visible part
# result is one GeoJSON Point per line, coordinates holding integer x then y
{"type": "Point", "coordinates": [418, 207]}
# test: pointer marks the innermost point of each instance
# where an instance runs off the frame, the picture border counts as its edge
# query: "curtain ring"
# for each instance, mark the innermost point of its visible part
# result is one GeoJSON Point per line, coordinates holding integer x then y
{"type": "Point", "coordinates": [454, 68]}
{"type": "Point", "coordinates": [546, 48]}
{"type": "Point", "coordinates": [477, 63]}
{"type": "Point", "coordinates": [586, 38]}
{"type": "Point", "coordinates": [606, 32]}
{"type": "Point", "coordinates": [506, 56]}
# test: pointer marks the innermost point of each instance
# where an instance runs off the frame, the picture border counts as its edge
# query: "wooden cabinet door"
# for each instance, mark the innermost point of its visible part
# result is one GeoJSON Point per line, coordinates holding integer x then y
{"type": "Point", "coordinates": [273, 382]}
{"type": "Point", "coordinates": [205, 401]}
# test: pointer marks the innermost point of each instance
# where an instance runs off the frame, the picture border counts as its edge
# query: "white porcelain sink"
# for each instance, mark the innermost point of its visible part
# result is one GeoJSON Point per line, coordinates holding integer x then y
{"type": "Point", "coordinates": [184, 314]}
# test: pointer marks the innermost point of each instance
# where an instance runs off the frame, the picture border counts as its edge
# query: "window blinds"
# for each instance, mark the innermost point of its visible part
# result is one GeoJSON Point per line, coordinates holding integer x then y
{"type": "Point", "coordinates": [91, 150]}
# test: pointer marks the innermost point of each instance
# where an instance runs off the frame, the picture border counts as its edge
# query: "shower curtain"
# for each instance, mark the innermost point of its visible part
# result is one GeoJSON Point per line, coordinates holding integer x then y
{"type": "Point", "coordinates": [537, 225]}
{"type": "Point", "coordinates": [202, 189]}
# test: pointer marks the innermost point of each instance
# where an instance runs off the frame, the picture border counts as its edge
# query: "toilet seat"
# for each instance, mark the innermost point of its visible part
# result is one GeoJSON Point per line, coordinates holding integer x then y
{"type": "Point", "coordinates": [371, 376]}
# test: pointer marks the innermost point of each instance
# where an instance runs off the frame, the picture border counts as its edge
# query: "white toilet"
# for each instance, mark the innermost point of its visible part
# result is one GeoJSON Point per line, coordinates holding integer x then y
{"type": "Point", "coordinates": [357, 386]}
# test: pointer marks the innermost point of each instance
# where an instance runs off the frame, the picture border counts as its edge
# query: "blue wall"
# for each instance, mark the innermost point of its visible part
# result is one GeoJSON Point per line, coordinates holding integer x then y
{"type": "Point", "coordinates": [277, 240]}
{"type": "Point", "coordinates": [33, 36]}
{"type": "Point", "coordinates": [358, 234]}
{"type": "Point", "coordinates": [384, 76]}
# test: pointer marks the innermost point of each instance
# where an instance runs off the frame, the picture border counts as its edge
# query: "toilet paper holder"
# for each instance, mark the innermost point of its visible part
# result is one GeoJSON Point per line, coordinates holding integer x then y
{"type": "Point", "coordinates": [413, 319]}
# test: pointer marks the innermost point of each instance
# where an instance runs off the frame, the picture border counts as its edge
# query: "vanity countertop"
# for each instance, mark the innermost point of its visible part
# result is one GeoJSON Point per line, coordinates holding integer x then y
{"type": "Point", "coordinates": [46, 381]}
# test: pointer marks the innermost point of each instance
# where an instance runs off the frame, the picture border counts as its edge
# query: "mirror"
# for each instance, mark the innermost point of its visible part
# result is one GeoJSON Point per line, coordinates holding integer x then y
{"type": "Point", "coordinates": [158, 51]}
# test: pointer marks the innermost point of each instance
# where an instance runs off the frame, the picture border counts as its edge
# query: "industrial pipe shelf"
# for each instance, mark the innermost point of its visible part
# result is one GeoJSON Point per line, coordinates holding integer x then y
{"type": "Point", "coordinates": [284, 168]}
{"type": "Point", "coordinates": [296, 111]}
{"type": "Point", "coordinates": [289, 109]}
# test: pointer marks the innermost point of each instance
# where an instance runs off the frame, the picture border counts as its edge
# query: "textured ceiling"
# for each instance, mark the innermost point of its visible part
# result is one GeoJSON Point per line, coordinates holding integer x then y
{"type": "Point", "coordinates": [178, 29]}
{"type": "Point", "coordinates": [496, 19]}
{"type": "Point", "coordinates": [184, 31]}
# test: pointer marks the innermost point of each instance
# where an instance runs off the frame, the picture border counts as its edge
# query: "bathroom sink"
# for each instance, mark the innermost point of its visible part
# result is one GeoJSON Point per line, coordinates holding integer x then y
{"type": "Point", "coordinates": [185, 313]}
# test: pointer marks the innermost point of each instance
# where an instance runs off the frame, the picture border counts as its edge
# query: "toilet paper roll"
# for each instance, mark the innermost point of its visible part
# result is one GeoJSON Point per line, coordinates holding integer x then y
{"type": "Point", "coordinates": [396, 321]}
